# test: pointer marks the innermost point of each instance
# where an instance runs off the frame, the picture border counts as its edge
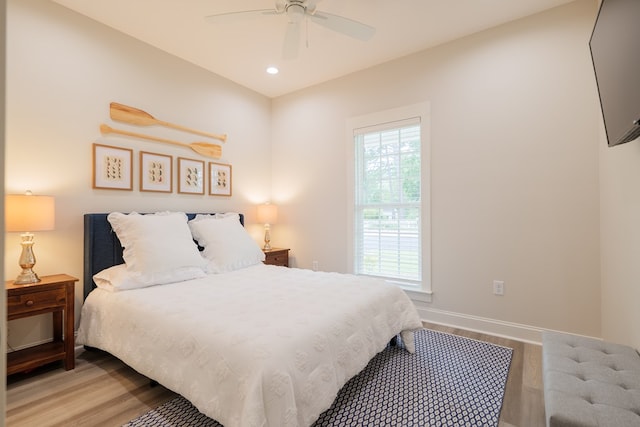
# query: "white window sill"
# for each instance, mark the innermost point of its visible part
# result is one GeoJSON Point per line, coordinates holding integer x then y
{"type": "Point", "coordinates": [417, 295]}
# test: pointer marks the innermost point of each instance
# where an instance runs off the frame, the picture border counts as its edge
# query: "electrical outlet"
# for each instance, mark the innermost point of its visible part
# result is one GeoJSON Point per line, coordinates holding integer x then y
{"type": "Point", "coordinates": [498, 287]}
{"type": "Point", "coordinates": [314, 265]}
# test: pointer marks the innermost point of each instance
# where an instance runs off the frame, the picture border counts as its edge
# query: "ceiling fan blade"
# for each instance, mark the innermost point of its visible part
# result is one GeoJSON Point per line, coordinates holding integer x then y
{"type": "Point", "coordinates": [343, 25]}
{"type": "Point", "coordinates": [291, 41]}
{"type": "Point", "coordinates": [236, 16]}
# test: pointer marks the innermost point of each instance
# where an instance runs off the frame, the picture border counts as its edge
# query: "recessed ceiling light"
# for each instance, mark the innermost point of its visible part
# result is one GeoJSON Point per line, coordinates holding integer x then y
{"type": "Point", "coordinates": [272, 70]}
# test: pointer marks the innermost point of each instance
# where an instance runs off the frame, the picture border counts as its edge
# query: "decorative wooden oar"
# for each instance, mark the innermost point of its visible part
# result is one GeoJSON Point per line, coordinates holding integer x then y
{"type": "Point", "coordinates": [134, 116]}
{"type": "Point", "coordinates": [204, 148]}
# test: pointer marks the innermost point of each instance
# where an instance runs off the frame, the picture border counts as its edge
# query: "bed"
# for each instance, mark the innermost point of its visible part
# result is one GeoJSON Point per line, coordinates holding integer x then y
{"type": "Point", "coordinates": [252, 345]}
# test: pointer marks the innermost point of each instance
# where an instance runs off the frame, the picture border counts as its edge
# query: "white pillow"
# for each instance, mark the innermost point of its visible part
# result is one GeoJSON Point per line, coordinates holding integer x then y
{"type": "Point", "coordinates": [156, 245]}
{"type": "Point", "coordinates": [203, 217]}
{"type": "Point", "coordinates": [227, 245]}
{"type": "Point", "coordinates": [118, 278]}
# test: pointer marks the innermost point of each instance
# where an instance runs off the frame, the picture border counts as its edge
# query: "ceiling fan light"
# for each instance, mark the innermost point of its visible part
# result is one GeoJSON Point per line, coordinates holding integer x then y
{"type": "Point", "coordinates": [295, 12]}
{"type": "Point", "coordinates": [281, 6]}
{"type": "Point", "coordinates": [310, 7]}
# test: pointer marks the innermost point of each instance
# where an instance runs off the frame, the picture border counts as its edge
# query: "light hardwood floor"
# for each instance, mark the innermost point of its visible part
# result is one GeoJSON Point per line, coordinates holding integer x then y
{"type": "Point", "coordinates": [523, 403]}
{"type": "Point", "coordinates": [102, 391]}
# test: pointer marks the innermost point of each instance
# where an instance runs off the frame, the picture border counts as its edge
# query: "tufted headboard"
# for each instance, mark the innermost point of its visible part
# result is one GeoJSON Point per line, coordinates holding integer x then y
{"type": "Point", "coordinates": [102, 249]}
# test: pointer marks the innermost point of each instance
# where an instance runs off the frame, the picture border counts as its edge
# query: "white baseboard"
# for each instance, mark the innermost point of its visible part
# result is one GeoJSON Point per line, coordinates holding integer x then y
{"type": "Point", "coordinates": [484, 325]}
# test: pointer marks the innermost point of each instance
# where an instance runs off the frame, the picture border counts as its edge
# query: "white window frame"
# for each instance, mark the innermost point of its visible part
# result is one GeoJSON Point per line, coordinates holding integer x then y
{"type": "Point", "coordinates": [420, 111]}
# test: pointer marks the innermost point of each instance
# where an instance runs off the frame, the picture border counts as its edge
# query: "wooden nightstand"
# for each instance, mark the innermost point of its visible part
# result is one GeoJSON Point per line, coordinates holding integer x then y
{"type": "Point", "coordinates": [53, 294]}
{"type": "Point", "coordinates": [277, 256]}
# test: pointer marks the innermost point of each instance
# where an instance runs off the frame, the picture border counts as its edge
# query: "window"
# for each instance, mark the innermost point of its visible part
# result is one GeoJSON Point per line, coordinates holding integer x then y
{"type": "Point", "coordinates": [389, 179]}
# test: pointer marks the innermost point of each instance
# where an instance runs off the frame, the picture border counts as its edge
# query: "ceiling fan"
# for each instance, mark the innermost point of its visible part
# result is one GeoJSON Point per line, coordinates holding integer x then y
{"type": "Point", "coordinates": [297, 11]}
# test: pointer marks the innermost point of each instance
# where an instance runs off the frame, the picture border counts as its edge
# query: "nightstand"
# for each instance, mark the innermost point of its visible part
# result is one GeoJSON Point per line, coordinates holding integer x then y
{"type": "Point", "coordinates": [277, 256]}
{"type": "Point", "coordinates": [53, 294]}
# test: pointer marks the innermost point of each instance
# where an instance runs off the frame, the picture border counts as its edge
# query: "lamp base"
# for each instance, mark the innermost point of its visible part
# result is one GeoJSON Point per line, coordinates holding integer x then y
{"type": "Point", "coordinates": [26, 277]}
{"type": "Point", "coordinates": [27, 261]}
{"type": "Point", "coordinates": [267, 238]}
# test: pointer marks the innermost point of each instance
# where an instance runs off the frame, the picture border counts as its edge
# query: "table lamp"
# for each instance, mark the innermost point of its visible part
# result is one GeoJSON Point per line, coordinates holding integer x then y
{"type": "Point", "coordinates": [26, 213]}
{"type": "Point", "coordinates": [267, 215]}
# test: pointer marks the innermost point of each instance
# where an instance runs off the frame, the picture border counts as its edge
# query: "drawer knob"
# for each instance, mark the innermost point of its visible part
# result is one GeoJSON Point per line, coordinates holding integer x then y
{"type": "Point", "coordinates": [29, 303]}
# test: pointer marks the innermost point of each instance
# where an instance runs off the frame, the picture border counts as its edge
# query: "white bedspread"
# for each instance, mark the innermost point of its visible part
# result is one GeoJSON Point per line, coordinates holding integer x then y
{"type": "Point", "coordinates": [261, 346]}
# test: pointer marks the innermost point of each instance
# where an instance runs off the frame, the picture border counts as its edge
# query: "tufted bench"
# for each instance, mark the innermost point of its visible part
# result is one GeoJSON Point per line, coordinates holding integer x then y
{"type": "Point", "coordinates": [588, 382]}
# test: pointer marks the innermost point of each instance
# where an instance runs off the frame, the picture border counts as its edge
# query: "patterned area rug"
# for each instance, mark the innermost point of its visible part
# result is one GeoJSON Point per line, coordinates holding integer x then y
{"type": "Point", "coordinates": [450, 381]}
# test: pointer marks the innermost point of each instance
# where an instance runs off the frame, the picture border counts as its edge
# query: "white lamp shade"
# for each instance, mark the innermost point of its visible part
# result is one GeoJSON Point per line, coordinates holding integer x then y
{"type": "Point", "coordinates": [29, 213]}
{"type": "Point", "coordinates": [267, 213]}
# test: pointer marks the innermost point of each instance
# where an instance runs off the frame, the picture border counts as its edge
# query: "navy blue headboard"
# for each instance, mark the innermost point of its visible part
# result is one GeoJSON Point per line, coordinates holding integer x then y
{"type": "Point", "coordinates": [102, 249]}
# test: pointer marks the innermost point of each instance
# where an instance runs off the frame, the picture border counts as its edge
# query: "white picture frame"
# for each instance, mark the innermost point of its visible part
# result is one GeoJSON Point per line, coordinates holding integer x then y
{"type": "Point", "coordinates": [156, 172]}
{"type": "Point", "coordinates": [220, 182]}
{"type": "Point", "coordinates": [112, 167]}
{"type": "Point", "coordinates": [191, 176]}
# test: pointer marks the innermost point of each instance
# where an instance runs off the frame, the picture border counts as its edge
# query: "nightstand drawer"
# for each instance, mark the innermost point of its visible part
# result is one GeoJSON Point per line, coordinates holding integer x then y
{"type": "Point", "coordinates": [277, 256]}
{"type": "Point", "coordinates": [281, 259]}
{"type": "Point", "coordinates": [35, 301]}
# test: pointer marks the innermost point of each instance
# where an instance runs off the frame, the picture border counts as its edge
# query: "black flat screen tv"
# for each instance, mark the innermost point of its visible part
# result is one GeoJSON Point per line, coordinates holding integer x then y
{"type": "Point", "coordinates": [615, 52]}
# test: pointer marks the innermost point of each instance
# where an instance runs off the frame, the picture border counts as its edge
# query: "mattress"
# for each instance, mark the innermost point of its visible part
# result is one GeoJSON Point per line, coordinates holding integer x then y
{"type": "Point", "coordinates": [260, 346]}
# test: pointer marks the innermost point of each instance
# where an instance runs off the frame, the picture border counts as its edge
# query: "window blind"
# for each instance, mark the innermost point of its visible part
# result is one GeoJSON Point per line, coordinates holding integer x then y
{"type": "Point", "coordinates": [387, 200]}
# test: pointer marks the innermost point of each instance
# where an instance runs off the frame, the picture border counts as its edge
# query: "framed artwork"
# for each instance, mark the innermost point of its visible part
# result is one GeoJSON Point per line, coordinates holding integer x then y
{"type": "Point", "coordinates": [156, 172]}
{"type": "Point", "coordinates": [219, 179]}
{"type": "Point", "coordinates": [112, 167]}
{"type": "Point", "coordinates": [190, 176]}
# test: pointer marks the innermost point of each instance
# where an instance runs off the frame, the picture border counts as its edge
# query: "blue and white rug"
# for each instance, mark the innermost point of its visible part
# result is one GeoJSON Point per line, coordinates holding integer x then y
{"type": "Point", "coordinates": [450, 381]}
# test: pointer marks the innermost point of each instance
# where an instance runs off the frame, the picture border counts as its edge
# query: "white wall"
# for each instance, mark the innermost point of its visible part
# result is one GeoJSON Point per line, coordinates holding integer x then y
{"type": "Point", "coordinates": [63, 70]}
{"type": "Point", "coordinates": [620, 240]}
{"type": "Point", "coordinates": [620, 236]}
{"type": "Point", "coordinates": [514, 173]}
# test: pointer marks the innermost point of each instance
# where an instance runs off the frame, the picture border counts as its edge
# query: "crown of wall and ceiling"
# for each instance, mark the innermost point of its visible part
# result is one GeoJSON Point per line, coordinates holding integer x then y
{"type": "Point", "coordinates": [241, 46]}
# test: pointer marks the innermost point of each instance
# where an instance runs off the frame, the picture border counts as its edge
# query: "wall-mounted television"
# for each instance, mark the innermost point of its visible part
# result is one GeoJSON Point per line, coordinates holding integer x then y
{"type": "Point", "coordinates": [615, 52]}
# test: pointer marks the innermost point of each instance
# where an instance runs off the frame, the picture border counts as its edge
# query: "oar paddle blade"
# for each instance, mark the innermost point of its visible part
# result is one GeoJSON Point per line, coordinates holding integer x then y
{"type": "Point", "coordinates": [133, 116]}
{"type": "Point", "coordinates": [206, 149]}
